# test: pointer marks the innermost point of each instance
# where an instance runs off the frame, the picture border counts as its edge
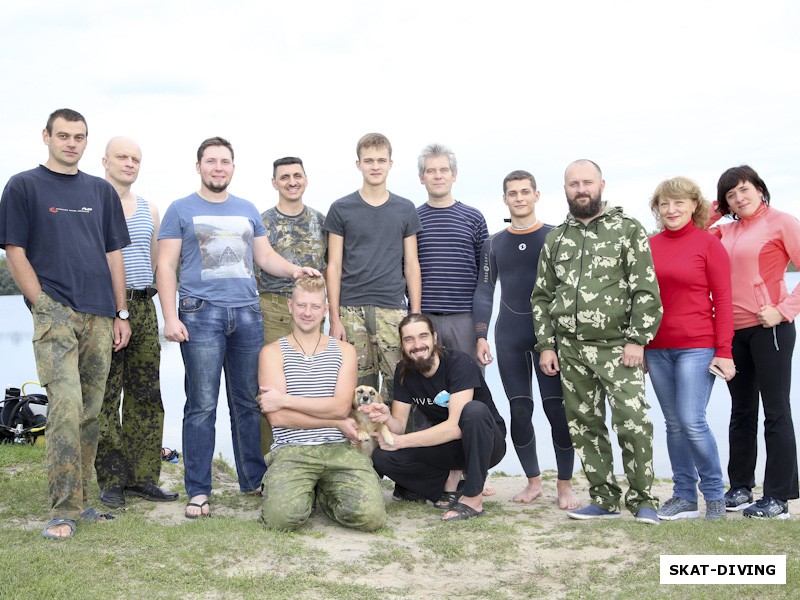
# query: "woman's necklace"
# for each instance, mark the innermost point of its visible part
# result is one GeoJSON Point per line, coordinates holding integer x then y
{"type": "Point", "coordinates": [307, 356]}
{"type": "Point", "coordinates": [534, 224]}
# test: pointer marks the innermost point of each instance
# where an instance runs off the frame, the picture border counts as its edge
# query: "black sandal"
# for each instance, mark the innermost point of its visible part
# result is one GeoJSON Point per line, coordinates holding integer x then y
{"type": "Point", "coordinates": [446, 500]}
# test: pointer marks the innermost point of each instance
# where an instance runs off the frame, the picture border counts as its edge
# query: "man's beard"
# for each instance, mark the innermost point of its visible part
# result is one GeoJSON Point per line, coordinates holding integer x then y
{"type": "Point", "coordinates": [217, 187]}
{"type": "Point", "coordinates": [422, 365]}
{"type": "Point", "coordinates": [585, 211]}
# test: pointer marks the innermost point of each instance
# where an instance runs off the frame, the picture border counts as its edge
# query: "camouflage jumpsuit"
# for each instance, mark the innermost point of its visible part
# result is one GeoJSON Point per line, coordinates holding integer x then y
{"type": "Point", "coordinates": [596, 291]}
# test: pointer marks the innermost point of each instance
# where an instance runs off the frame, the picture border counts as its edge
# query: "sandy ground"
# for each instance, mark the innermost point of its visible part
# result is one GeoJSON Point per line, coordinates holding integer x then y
{"type": "Point", "coordinates": [547, 552]}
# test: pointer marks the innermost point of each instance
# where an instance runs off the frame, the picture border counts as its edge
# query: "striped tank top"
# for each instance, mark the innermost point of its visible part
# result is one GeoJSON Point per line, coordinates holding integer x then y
{"type": "Point", "coordinates": [136, 256]}
{"type": "Point", "coordinates": [309, 377]}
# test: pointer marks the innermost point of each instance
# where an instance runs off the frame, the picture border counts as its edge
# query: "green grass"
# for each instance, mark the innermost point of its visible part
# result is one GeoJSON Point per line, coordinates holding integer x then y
{"type": "Point", "coordinates": [511, 553]}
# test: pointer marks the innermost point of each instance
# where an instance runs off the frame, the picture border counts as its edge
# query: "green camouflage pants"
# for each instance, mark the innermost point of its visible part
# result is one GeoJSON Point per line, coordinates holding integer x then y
{"type": "Point", "coordinates": [130, 452]}
{"type": "Point", "coordinates": [347, 487]}
{"type": "Point", "coordinates": [373, 332]}
{"type": "Point", "coordinates": [73, 355]}
{"type": "Point", "coordinates": [589, 374]}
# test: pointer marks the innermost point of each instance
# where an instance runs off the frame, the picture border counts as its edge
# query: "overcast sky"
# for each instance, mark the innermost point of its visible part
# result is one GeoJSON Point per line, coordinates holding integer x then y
{"type": "Point", "coordinates": [647, 90]}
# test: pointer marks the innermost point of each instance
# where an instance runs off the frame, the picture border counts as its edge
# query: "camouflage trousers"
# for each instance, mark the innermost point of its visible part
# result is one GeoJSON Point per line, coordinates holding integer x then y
{"type": "Point", "coordinates": [277, 324]}
{"type": "Point", "coordinates": [373, 332]}
{"type": "Point", "coordinates": [129, 452]}
{"type": "Point", "coordinates": [347, 487]}
{"type": "Point", "coordinates": [590, 373]}
{"type": "Point", "coordinates": [73, 354]}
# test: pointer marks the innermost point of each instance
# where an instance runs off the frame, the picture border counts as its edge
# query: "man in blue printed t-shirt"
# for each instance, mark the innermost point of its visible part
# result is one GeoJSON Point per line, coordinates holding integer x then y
{"type": "Point", "coordinates": [215, 237]}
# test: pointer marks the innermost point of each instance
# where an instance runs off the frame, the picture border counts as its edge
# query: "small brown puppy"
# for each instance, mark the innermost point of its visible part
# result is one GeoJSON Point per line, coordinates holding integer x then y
{"type": "Point", "coordinates": [364, 426]}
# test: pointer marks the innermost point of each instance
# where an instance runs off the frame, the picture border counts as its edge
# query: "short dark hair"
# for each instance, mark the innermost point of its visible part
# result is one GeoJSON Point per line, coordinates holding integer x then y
{"type": "Point", "coordinates": [518, 175]}
{"type": "Point", "coordinates": [733, 177]}
{"type": "Point", "coordinates": [68, 115]}
{"type": "Point", "coordinates": [286, 160]}
{"type": "Point", "coordinates": [213, 141]}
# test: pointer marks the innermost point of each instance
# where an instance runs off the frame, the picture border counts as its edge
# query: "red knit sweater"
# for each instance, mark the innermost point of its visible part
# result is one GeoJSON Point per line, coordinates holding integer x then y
{"type": "Point", "coordinates": [694, 277]}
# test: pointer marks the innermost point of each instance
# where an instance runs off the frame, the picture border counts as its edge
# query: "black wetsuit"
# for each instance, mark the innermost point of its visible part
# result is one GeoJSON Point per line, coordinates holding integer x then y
{"type": "Point", "coordinates": [512, 258]}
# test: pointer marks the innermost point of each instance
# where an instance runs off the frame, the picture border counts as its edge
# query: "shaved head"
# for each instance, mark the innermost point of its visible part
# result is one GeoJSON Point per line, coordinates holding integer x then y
{"type": "Point", "coordinates": [122, 161]}
{"type": "Point", "coordinates": [123, 141]}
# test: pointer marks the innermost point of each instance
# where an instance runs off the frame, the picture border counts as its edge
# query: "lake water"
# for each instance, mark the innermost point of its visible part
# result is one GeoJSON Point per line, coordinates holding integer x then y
{"type": "Point", "coordinates": [18, 366]}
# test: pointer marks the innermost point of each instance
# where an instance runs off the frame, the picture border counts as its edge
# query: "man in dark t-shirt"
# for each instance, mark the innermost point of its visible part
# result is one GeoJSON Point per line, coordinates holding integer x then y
{"type": "Point", "coordinates": [466, 433]}
{"type": "Point", "coordinates": [62, 231]}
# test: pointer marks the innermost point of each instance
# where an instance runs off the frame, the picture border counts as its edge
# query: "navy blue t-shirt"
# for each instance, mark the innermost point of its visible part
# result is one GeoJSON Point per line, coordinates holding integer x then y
{"type": "Point", "coordinates": [66, 224]}
{"type": "Point", "coordinates": [457, 372]}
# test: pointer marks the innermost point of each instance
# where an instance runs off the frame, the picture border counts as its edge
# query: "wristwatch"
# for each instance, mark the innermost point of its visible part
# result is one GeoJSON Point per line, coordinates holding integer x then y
{"type": "Point", "coordinates": [123, 314]}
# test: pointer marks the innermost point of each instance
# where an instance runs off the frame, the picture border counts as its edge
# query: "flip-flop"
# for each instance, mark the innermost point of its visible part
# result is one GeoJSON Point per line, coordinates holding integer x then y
{"type": "Point", "coordinates": [447, 500]}
{"type": "Point", "coordinates": [55, 523]}
{"type": "Point", "coordinates": [464, 512]}
{"type": "Point", "coordinates": [90, 515]}
{"type": "Point", "coordinates": [200, 506]}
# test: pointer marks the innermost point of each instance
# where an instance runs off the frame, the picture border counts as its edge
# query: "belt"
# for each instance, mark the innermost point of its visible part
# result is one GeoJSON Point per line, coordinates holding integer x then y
{"type": "Point", "coordinates": [144, 294]}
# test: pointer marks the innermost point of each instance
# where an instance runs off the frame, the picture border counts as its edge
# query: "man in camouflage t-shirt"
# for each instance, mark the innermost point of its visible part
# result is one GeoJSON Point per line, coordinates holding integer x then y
{"type": "Point", "coordinates": [596, 302]}
{"type": "Point", "coordinates": [295, 231]}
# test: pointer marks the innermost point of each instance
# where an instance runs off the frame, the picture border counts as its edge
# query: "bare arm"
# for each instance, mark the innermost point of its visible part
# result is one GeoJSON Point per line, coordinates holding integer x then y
{"type": "Point", "coordinates": [334, 281]}
{"type": "Point", "coordinates": [413, 273]}
{"type": "Point", "coordinates": [154, 240]}
{"type": "Point", "coordinates": [122, 329]}
{"type": "Point", "coordinates": [433, 436]}
{"type": "Point", "coordinates": [285, 410]}
{"type": "Point", "coordinates": [264, 256]}
{"type": "Point", "coordinates": [22, 271]}
{"type": "Point", "coordinates": [169, 255]}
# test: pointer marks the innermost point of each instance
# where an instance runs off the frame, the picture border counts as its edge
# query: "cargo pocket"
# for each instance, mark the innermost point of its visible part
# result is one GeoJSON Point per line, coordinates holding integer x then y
{"type": "Point", "coordinates": [42, 330]}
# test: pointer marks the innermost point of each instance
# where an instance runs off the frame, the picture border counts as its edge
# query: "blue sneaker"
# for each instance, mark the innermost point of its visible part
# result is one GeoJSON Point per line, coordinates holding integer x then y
{"type": "Point", "coordinates": [592, 512]}
{"type": "Point", "coordinates": [647, 516]}
{"type": "Point", "coordinates": [768, 508]}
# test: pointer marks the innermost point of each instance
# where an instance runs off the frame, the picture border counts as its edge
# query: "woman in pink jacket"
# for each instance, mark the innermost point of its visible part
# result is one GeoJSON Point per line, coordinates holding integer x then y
{"type": "Point", "coordinates": [760, 242]}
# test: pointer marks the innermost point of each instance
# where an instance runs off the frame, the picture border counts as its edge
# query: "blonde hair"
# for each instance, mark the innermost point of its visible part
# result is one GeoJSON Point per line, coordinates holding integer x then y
{"type": "Point", "coordinates": [677, 188]}
{"type": "Point", "coordinates": [307, 283]}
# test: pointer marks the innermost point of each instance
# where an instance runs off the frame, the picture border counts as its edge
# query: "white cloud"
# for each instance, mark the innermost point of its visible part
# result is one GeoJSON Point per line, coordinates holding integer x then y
{"type": "Point", "coordinates": [646, 90]}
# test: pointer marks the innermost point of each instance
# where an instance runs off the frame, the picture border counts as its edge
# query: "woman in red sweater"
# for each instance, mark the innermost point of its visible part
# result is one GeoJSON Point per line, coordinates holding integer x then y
{"type": "Point", "coordinates": [760, 242]}
{"type": "Point", "coordinates": [695, 334]}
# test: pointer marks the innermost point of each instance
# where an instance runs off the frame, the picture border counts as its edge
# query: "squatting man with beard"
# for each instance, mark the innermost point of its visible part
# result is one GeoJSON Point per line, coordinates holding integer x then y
{"type": "Point", "coordinates": [596, 300]}
{"type": "Point", "coordinates": [467, 432]}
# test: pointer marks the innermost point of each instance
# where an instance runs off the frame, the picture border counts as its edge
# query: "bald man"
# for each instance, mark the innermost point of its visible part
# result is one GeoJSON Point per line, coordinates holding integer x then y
{"type": "Point", "coordinates": [596, 305]}
{"type": "Point", "coordinates": [129, 450]}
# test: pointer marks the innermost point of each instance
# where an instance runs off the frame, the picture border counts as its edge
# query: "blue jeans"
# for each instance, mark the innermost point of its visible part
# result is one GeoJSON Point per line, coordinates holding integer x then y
{"type": "Point", "coordinates": [683, 385]}
{"type": "Point", "coordinates": [226, 339]}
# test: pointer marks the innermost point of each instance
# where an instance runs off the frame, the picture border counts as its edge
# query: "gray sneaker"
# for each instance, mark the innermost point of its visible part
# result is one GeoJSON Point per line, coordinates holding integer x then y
{"type": "Point", "coordinates": [677, 508]}
{"type": "Point", "coordinates": [715, 509]}
{"type": "Point", "coordinates": [738, 499]}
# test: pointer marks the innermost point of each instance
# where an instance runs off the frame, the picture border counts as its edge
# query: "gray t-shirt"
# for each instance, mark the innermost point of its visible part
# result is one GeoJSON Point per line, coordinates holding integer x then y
{"type": "Point", "coordinates": [217, 248]}
{"type": "Point", "coordinates": [372, 261]}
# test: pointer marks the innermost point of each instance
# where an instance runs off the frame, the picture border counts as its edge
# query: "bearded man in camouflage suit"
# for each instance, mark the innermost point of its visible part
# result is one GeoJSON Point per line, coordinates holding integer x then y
{"type": "Point", "coordinates": [295, 232]}
{"type": "Point", "coordinates": [596, 300]}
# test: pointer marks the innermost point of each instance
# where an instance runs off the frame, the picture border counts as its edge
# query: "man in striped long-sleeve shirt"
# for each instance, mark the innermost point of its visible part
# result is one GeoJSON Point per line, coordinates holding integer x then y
{"type": "Point", "coordinates": [449, 248]}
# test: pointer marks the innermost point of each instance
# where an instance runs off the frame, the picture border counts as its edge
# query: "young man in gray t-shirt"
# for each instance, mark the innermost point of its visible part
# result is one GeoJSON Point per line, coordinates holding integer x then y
{"type": "Point", "coordinates": [372, 260]}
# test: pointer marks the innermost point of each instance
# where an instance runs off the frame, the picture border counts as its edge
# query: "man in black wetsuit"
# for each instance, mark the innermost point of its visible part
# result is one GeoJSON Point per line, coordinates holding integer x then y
{"type": "Point", "coordinates": [511, 256]}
